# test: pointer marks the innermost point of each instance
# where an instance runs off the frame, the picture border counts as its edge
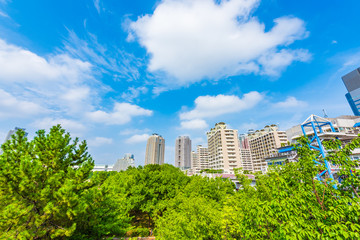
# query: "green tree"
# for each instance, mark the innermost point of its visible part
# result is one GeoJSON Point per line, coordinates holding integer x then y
{"type": "Point", "coordinates": [195, 212]}
{"type": "Point", "coordinates": [42, 182]}
{"type": "Point", "coordinates": [147, 191]}
{"type": "Point", "coordinates": [289, 203]}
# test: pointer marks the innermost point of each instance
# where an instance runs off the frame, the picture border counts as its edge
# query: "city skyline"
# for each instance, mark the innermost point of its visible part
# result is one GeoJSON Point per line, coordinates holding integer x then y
{"type": "Point", "coordinates": [97, 69]}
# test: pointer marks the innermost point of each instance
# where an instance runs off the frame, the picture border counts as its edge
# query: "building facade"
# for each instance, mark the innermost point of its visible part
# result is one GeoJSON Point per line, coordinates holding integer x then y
{"type": "Point", "coordinates": [199, 159]}
{"type": "Point", "coordinates": [352, 84]}
{"type": "Point", "coordinates": [223, 148]}
{"type": "Point", "coordinates": [125, 162]}
{"type": "Point", "coordinates": [103, 168]}
{"type": "Point", "coordinates": [183, 152]}
{"type": "Point", "coordinates": [263, 143]}
{"type": "Point", "coordinates": [245, 153]}
{"type": "Point", "coordinates": [155, 150]}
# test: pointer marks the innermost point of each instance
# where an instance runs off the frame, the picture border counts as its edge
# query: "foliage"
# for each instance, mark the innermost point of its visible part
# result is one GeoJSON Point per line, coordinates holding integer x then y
{"type": "Point", "coordinates": [47, 191]}
{"type": "Point", "coordinates": [211, 171]}
{"type": "Point", "coordinates": [147, 191]}
{"type": "Point", "coordinates": [40, 186]}
{"type": "Point", "coordinates": [288, 203]}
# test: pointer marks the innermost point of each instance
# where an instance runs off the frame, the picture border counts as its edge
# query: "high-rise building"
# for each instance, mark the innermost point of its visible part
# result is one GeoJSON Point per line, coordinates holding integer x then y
{"type": "Point", "coordinates": [155, 150]}
{"type": "Point", "coordinates": [203, 157]}
{"type": "Point", "coordinates": [245, 153]}
{"type": "Point", "coordinates": [263, 143]}
{"type": "Point", "coordinates": [223, 148]}
{"type": "Point", "coordinates": [123, 163]}
{"type": "Point", "coordinates": [194, 161]}
{"type": "Point", "coordinates": [352, 84]}
{"type": "Point", "coordinates": [199, 159]}
{"type": "Point", "coordinates": [183, 152]}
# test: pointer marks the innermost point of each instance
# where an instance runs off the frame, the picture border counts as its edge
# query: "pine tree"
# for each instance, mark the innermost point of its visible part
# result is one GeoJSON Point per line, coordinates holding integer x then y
{"type": "Point", "coordinates": [41, 185]}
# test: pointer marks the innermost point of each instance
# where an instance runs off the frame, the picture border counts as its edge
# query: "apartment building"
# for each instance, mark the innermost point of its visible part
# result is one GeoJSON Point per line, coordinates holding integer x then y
{"type": "Point", "coordinates": [199, 159]}
{"type": "Point", "coordinates": [223, 148]}
{"type": "Point", "coordinates": [183, 152]}
{"type": "Point", "coordinates": [263, 143]}
{"type": "Point", "coordinates": [245, 153]}
{"type": "Point", "coordinates": [155, 150]}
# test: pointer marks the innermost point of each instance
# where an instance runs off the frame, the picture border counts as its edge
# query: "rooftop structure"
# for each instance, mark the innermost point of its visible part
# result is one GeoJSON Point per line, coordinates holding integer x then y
{"type": "Point", "coordinates": [342, 125]}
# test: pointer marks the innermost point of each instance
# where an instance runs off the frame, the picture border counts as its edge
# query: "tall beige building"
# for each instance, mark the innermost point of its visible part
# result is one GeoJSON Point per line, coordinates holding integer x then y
{"type": "Point", "coordinates": [223, 148]}
{"type": "Point", "coordinates": [263, 143]}
{"type": "Point", "coordinates": [199, 159]}
{"type": "Point", "coordinates": [194, 162]}
{"type": "Point", "coordinates": [155, 150]}
{"type": "Point", "coordinates": [183, 152]}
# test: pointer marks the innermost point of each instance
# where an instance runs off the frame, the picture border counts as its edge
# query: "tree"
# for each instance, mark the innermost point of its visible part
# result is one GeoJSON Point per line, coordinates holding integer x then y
{"type": "Point", "coordinates": [42, 182]}
{"type": "Point", "coordinates": [289, 203]}
{"type": "Point", "coordinates": [195, 212]}
{"type": "Point", "coordinates": [147, 191]}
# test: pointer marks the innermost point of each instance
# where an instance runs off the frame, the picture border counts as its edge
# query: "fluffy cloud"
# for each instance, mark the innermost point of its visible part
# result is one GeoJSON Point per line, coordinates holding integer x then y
{"type": "Point", "coordinates": [274, 63]}
{"type": "Point", "coordinates": [100, 141]}
{"type": "Point", "coordinates": [74, 127]}
{"type": "Point", "coordinates": [196, 39]}
{"type": "Point", "coordinates": [18, 65]}
{"type": "Point", "coordinates": [290, 102]}
{"type": "Point", "coordinates": [121, 114]}
{"type": "Point", "coordinates": [194, 124]}
{"type": "Point", "coordinates": [138, 138]}
{"type": "Point", "coordinates": [10, 106]}
{"type": "Point", "coordinates": [59, 82]}
{"type": "Point", "coordinates": [213, 106]}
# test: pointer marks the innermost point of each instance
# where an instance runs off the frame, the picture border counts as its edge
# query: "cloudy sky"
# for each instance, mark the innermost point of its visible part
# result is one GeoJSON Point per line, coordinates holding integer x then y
{"type": "Point", "coordinates": [114, 72]}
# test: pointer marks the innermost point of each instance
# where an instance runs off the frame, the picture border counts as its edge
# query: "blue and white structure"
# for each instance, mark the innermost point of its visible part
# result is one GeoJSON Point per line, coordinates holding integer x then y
{"type": "Point", "coordinates": [352, 84]}
{"type": "Point", "coordinates": [319, 127]}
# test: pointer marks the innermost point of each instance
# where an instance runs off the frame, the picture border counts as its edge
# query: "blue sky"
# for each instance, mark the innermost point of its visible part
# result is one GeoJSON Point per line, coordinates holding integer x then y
{"type": "Point", "coordinates": [114, 72]}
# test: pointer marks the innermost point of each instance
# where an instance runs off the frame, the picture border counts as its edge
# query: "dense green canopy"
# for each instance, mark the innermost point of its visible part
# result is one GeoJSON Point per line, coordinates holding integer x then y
{"type": "Point", "coordinates": [47, 191]}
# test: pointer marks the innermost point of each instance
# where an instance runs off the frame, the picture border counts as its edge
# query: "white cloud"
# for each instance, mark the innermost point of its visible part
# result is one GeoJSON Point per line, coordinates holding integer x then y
{"type": "Point", "coordinates": [112, 60]}
{"type": "Point", "coordinates": [99, 141]}
{"type": "Point", "coordinates": [121, 114]}
{"type": "Point", "coordinates": [10, 106]}
{"type": "Point", "coordinates": [97, 5]}
{"type": "Point", "coordinates": [59, 82]}
{"type": "Point", "coordinates": [194, 124]}
{"type": "Point", "coordinates": [138, 138]}
{"type": "Point", "coordinates": [75, 128]}
{"type": "Point", "coordinates": [291, 102]}
{"type": "Point", "coordinates": [18, 65]}
{"type": "Point", "coordinates": [274, 63]}
{"type": "Point", "coordinates": [196, 39]}
{"type": "Point", "coordinates": [213, 106]}
{"type": "Point", "coordinates": [133, 93]}
{"type": "Point", "coordinates": [2, 14]}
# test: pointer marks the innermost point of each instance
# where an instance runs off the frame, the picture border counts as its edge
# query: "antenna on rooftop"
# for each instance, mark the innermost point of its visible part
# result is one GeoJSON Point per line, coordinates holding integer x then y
{"type": "Point", "coordinates": [325, 115]}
